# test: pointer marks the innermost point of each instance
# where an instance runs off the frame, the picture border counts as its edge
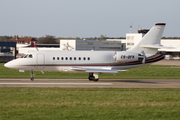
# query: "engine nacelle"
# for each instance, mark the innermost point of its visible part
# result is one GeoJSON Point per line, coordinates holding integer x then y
{"type": "Point", "coordinates": [126, 56]}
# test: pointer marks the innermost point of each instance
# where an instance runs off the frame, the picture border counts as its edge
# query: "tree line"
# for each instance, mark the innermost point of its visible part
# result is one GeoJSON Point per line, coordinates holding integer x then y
{"type": "Point", "coordinates": [49, 39]}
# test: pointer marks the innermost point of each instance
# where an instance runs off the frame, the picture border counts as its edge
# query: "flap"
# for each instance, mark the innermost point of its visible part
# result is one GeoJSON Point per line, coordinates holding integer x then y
{"type": "Point", "coordinates": [90, 70]}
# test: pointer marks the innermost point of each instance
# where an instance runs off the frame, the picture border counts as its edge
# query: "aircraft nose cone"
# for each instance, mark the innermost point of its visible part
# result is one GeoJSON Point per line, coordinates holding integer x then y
{"type": "Point", "coordinates": [11, 64]}
{"type": "Point", "coordinates": [6, 65]}
{"type": "Point", "coordinates": [17, 64]}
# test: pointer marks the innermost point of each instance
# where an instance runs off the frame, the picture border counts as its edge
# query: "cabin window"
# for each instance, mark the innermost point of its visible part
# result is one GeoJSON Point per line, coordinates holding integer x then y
{"type": "Point", "coordinates": [74, 58]}
{"type": "Point", "coordinates": [30, 56]}
{"type": "Point", "coordinates": [57, 58]}
{"type": "Point", "coordinates": [88, 58]}
{"type": "Point", "coordinates": [53, 58]}
{"type": "Point", "coordinates": [79, 58]}
{"type": "Point", "coordinates": [84, 58]}
{"type": "Point", "coordinates": [62, 58]}
{"type": "Point", "coordinates": [70, 58]}
{"type": "Point", "coordinates": [66, 58]}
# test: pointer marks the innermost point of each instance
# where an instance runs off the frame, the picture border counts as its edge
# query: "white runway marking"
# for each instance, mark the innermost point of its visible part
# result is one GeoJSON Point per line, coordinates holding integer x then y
{"type": "Point", "coordinates": [56, 84]}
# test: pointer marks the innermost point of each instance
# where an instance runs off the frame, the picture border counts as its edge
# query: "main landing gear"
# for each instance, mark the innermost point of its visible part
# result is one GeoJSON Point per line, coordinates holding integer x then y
{"type": "Point", "coordinates": [93, 77]}
{"type": "Point", "coordinates": [32, 74]}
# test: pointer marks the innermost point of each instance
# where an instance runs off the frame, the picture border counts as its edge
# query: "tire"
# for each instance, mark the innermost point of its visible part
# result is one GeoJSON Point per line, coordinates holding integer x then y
{"type": "Point", "coordinates": [95, 80]}
{"type": "Point", "coordinates": [91, 78]}
{"type": "Point", "coordinates": [32, 79]}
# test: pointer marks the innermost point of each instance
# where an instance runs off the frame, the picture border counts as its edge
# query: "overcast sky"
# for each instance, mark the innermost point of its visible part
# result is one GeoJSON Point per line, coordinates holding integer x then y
{"type": "Point", "coordinates": [87, 18]}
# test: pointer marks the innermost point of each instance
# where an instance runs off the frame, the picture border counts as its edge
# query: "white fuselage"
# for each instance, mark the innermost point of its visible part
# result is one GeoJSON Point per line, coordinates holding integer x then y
{"type": "Point", "coordinates": [72, 61]}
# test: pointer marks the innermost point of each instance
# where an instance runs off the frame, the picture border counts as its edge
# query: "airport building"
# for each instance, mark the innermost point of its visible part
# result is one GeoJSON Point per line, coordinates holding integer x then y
{"type": "Point", "coordinates": [95, 45]}
{"type": "Point", "coordinates": [72, 45]}
{"type": "Point", "coordinates": [7, 51]}
{"type": "Point", "coordinates": [22, 40]}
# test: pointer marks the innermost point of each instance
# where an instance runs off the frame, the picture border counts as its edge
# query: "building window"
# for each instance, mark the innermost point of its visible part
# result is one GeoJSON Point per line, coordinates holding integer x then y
{"type": "Point", "coordinates": [130, 37]}
{"type": "Point", "coordinates": [130, 43]}
{"type": "Point", "coordinates": [105, 43]}
{"type": "Point", "coordinates": [90, 43]}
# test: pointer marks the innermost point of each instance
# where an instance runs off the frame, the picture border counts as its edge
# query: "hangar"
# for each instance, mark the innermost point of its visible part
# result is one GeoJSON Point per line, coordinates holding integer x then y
{"type": "Point", "coordinates": [95, 45]}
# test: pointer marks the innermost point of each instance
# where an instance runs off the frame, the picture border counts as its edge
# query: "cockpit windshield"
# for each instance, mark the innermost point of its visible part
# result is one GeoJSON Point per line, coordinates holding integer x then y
{"type": "Point", "coordinates": [22, 56]}
{"type": "Point", "coordinates": [27, 56]}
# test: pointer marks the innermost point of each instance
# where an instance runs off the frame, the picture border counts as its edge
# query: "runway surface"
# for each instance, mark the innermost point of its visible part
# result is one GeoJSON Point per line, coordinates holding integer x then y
{"type": "Point", "coordinates": [84, 83]}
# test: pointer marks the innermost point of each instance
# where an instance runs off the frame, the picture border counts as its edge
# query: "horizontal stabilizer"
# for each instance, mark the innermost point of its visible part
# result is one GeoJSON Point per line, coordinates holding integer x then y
{"type": "Point", "coordinates": [156, 46]}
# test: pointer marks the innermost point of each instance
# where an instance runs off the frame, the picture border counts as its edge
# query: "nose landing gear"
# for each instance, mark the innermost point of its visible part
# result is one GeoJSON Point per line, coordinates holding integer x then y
{"type": "Point", "coordinates": [93, 77]}
{"type": "Point", "coordinates": [32, 74]}
{"type": "Point", "coordinates": [32, 79]}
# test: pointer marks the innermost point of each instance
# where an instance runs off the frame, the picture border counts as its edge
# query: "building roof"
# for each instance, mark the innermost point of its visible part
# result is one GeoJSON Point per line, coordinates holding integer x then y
{"type": "Point", "coordinates": [22, 40]}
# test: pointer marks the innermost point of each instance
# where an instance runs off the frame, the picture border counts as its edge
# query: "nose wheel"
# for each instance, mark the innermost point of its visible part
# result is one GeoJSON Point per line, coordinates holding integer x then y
{"type": "Point", "coordinates": [32, 74]}
{"type": "Point", "coordinates": [32, 79]}
{"type": "Point", "coordinates": [93, 77]}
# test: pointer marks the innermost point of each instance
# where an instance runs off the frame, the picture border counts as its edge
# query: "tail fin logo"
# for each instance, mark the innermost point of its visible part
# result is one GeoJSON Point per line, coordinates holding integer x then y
{"type": "Point", "coordinates": [33, 43]}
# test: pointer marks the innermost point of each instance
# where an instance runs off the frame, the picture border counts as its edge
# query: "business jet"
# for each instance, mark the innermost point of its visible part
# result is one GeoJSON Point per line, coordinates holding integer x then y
{"type": "Point", "coordinates": [94, 62]}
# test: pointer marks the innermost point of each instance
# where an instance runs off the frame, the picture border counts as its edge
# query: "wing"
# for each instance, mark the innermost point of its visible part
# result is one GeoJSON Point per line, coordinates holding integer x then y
{"type": "Point", "coordinates": [90, 70]}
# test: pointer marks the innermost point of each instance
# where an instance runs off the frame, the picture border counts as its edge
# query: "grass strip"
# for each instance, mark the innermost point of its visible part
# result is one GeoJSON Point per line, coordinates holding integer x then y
{"type": "Point", "coordinates": [89, 103]}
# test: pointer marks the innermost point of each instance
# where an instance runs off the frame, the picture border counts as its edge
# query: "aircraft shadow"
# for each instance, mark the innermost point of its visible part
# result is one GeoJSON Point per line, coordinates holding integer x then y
{"type": "Point", "coordinates": [131, 81]}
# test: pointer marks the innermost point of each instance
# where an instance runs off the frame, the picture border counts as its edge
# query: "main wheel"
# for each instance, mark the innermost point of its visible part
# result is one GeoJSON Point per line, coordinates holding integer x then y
{"type": "Point", "coordinates": [32, 79]}
{"type": "Point", "coordinates": [91, 78]}
{"type": "Point", "coordinates": [95, 80]}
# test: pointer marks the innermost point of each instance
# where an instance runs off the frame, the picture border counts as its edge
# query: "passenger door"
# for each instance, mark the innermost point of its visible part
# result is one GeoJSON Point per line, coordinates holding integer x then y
{"type": "Point", "coordinates": [40, 61]}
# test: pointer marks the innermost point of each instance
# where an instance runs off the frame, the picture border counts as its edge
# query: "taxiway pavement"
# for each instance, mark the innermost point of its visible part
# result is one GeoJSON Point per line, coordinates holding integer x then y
{"type": "Point", "coordinates": [85, 83]}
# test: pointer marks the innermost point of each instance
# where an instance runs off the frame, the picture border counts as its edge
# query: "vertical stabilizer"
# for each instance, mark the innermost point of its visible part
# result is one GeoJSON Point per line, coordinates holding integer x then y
{"type": "Point", "coordinates": [152, 38]}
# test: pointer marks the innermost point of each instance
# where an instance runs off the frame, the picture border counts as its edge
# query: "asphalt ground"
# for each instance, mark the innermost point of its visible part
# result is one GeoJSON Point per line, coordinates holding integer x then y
{"type": "Point", "coordinates": [85, 83]}
{"type": "Point", "coordinates": [168, 62]}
